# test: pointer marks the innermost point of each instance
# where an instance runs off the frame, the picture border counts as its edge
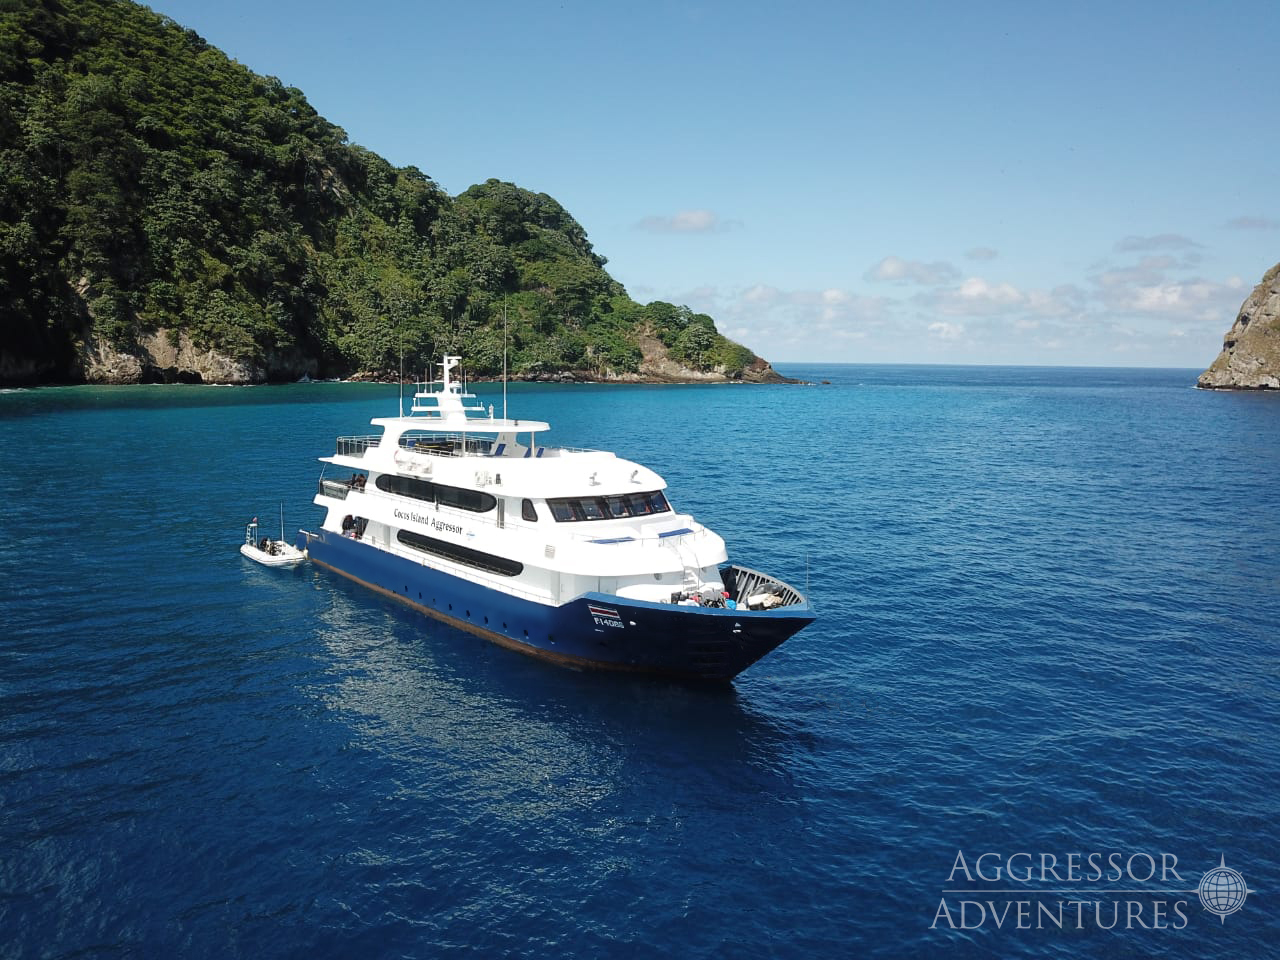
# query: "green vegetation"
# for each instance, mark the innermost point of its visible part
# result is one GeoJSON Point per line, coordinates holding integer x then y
{"type": "Point", "coordinates": [148, 182]}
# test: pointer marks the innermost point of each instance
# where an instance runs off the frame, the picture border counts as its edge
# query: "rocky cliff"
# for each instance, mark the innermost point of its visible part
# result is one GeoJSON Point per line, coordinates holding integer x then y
{"type": "Point", "coordinates": [1250, 357]}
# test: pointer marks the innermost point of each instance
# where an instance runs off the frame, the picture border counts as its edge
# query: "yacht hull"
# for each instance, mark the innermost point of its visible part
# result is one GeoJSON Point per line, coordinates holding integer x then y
{"type": "Point", "coordinates": [592, 631]}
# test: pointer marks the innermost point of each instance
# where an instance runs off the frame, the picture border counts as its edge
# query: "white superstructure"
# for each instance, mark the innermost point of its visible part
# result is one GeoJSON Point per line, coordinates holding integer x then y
{"type": "Point", "coordinates": [455, 488]}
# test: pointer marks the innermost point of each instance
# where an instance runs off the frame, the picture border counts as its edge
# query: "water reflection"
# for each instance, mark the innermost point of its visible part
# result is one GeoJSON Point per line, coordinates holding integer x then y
{"type": "Point", "coordinates": [528, 738]}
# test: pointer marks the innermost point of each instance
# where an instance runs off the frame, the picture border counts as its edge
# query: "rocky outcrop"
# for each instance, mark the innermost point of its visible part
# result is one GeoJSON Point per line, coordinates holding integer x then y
{"type": "Point", "coordinates": [162, 357]}
{"type": "Point", "coordinates": [657, 366]}
{"type": "Point", "coordinates": [1250, 357]}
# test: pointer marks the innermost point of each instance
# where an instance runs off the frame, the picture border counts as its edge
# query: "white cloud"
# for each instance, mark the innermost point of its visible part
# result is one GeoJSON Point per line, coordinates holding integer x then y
{"type": "Point", "coordinates": [976, 297]}
{"type": "Point", "coordinates": [1153, 287]}
{"type": "Point", "coordinates": [1193, 299]}
{"type": "Point", "coordinates": [1162, 241]}
{"type": "Point", "coordinates": [897, 270]}
{"type": "Point", "coordinates": [760, 293]}
{"type": "Point", "coordinates": [1151, 306]}
{"type": "Point", "coordinates": [1064, 300]}
{"type": "Point", "coordinates": [688, 221]}
{"type": "Point", "coordinates": [1148, 270]}
{"type": "Point", "coordinates": [975, 288]}
{"type": "Point", "coordinates": [776, 323]}
{"type": "Point", "coordinates": [1253, 223]}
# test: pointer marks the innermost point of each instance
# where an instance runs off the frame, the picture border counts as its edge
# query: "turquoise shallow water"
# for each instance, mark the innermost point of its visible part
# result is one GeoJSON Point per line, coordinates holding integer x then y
{"type": "Point", "coordinates": [1047, 608]}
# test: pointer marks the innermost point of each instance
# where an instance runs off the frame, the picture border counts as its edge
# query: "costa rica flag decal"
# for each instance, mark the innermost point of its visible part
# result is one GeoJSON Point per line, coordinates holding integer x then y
{"type": "Point", "coordinates": [605, 616]}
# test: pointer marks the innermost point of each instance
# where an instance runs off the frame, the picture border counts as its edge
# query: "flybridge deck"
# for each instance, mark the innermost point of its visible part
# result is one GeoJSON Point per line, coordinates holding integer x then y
{"type": "Point", "coordinates": [441, 422]}
{"type": "Point", "coordinates": [447, 410]}
{"type": "Point", "coordinates": [471, 518]}
{"type": "Point", "coordinates": [447, 423]}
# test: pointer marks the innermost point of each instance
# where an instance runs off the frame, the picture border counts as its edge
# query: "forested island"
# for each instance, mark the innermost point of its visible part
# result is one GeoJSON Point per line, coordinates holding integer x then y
{"type": "Point", "coordinates": [168, 215]}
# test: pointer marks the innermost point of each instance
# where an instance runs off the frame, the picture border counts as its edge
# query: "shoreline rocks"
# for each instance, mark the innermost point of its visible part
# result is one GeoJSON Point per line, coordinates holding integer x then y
{"type": "Point", "coordinates": [162, 357]}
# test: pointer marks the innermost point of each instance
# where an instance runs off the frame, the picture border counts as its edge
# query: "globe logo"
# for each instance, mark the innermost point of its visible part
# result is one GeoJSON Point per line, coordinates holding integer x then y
{"type": "Point", "coordinates": [1222, 890]}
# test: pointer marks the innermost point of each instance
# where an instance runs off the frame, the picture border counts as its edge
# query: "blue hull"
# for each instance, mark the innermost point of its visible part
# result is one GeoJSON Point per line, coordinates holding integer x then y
{"type": "Point", "coordinates": [595, 630]}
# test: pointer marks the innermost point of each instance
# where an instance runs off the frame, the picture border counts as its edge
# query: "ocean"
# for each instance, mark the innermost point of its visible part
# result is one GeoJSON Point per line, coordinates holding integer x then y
{"type": "Point", "coordinates": [1037, 716]}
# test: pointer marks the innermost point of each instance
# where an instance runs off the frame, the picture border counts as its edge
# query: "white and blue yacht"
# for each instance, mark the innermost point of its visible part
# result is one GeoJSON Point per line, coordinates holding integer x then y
{"type": "Point", "coordinates": [574, 556]}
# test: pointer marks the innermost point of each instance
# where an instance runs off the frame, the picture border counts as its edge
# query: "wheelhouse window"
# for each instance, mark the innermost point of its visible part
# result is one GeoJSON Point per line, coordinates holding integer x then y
{"type": "Point", "coordinates": [527, 512]}
{"type": "Point", "coordinates": [446, 496]}
{"type": "Point", "coordinates": [574, 509]}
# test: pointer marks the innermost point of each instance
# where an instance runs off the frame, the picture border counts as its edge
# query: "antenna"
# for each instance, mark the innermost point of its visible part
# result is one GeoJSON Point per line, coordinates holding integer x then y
{"type": "Point", "coordinates": [504, 361]}
{"type": "Point", "coordinates": [402, 376]}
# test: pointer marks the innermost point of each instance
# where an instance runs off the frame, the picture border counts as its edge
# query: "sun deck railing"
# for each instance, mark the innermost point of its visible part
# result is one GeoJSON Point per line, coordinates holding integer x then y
{"type": "Point", "coordinates": [447, 445]}
{"type": "Point", "coordinates": [452, 444]}
{"type": "Point", "coordinates": [460, 445]}
{"type": "Point", "coordinates": [356, 446]}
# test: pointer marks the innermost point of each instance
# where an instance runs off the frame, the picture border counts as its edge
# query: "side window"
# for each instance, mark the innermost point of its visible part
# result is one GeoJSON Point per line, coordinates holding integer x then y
{"type": "Point", "coordinates": [406, 486]}
{"type": "Point", "coordinates": [527, 512]}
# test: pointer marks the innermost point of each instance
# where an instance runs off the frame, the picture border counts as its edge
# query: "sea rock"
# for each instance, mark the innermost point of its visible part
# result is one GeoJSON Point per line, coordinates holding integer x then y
{"type": "Point", "coordinates": [1250, 357]}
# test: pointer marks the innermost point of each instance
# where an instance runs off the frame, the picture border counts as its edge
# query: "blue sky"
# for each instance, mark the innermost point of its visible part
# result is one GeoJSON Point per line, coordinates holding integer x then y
{"type": "Point", "coordinates": [1082, 183]}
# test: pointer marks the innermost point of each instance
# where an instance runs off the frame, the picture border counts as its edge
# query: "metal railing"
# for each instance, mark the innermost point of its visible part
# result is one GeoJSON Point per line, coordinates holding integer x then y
{"type": "Point", "coordinates": [450, 444]}
{"type": "Point", "coordinates": [333, 488]}
{"type": "Point", "coordinates": [446, 445]}
{"type": "Point", "coordinates": [743, 582]}
{"type": "Point", "coordinates": [355, 446]}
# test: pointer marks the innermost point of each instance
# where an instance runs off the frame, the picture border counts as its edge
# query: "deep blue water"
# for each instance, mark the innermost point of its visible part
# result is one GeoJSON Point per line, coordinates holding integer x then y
{"type": "Point", "coordinates": [1048, 602]}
